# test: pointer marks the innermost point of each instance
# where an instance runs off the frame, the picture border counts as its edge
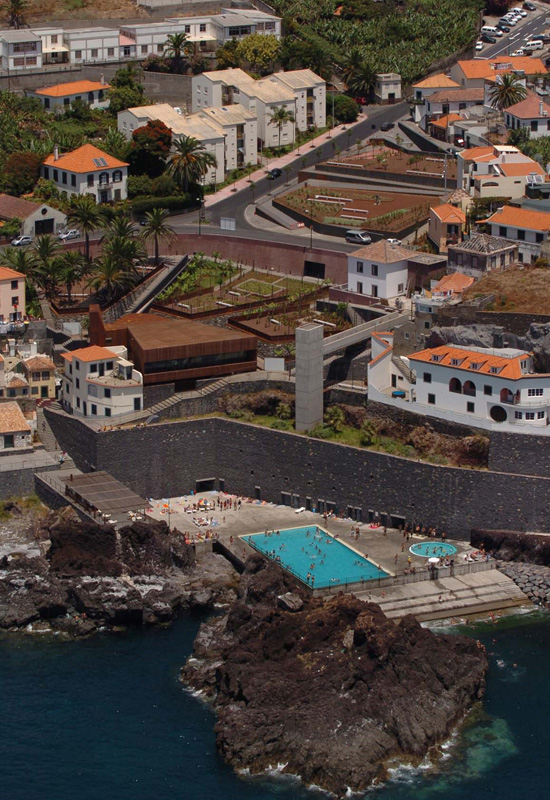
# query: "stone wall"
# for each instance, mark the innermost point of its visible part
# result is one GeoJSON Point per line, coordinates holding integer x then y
{"type": "Point", "coordinates": [470, 314]}
{"type": "Point", "coordinates": [155, 394]}
{"type": "Point", "coordinates": [74, 437]}
{"type": "Point", "coordinates": [19, 482]}
{"type": "Point", "coordinates": [527, 454]}
{"type": "Point", "coordinates": [167, 459]}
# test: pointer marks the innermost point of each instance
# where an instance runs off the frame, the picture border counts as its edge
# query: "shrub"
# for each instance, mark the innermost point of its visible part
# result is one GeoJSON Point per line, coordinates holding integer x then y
{"type": "Point", "coordinates": [139, 185]}
{"type": "Point", "coordinates": [283, 411]}
{"type": "Point", "coordinates": [345, 108]}
{"type": "Point", "coordinates": [368, 435]}
{"type": "Point", "coordinates": [335, 418]}
{"type": "Point", "coordinates": [281, 425]}
{"type": "Point", "coordinates": [423, 439]}
{"type": "Point", "coordinates": [321, 432]}
{"type": "Point", "coordinates": [355, 416]}
{"type": "Point", "coordinates": [21, 172]}
{"type": "Point", "coordinates": [266, 402]}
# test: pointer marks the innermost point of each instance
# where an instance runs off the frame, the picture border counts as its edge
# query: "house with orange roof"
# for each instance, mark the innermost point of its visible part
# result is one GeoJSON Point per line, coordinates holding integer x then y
{"type": "Point", "coordinates": [100, 382]}
{"type": "Point", "coordinates": [88, 170]}
{"type": "Point", "coordinates": [15, 431]}
{"type": "Point", "coordinates": [379, 270]}
{"type": "Point", "coordinates": [473, 73]}
{"type": "Point", "coordinates": [494, 389]}
{"type": "Point", "coordinates": [529, 229]}
{"type": "Point", "coordinates": [443, 102]}
{"type": "Point", "coordinates": [428, 87]}
{"type": "Point", "coordinates": [446, 291]}
{"type": "Point", "coordinates": [533, 113]}
{"type": "Point", "coordinates": [62, 95]}
{"type": "Point", "coordinates": [446, 226]}
{"type": "Point", "coordinates": [497, 171]}
{"type": "Point", "coordinates": [12, 295]}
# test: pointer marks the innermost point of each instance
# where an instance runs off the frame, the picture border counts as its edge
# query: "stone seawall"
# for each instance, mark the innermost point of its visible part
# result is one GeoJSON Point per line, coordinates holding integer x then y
{"type": "Point", "coordinates": [533, 580]}
{"type": "Point", "coordinates": [169, 458]}
{"type": "Point", "coordinates": [20, 482]}
{"type": "Point", "coordinates": [525, 453]}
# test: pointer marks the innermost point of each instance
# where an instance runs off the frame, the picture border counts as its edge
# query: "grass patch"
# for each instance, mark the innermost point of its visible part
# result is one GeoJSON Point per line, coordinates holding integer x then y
{"type": "Point", "coordinates": [521, 290]}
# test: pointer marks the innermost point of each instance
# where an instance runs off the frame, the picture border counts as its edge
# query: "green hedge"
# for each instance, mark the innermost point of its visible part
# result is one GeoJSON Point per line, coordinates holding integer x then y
{"type": "Point", "coordinates": [140, 205]}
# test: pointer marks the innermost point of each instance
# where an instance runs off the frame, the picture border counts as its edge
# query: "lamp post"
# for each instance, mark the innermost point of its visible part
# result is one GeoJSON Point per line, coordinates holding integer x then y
{"type": "Point", "coordinates": [200, 201]}
{"type": "Point", "coordinates": [310, 200]}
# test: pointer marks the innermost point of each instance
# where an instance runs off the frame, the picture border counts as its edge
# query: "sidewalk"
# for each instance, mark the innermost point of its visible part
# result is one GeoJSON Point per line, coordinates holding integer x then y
{"type": "Point", "coordinates": [283, 161]}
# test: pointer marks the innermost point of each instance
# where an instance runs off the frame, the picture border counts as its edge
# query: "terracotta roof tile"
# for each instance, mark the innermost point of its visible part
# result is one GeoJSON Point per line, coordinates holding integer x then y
{"type": "Point", "coordinates": [72, 87]}
{"type": "Point", "coordinates": [472, 361]}
{"type": "Point", "coordinates": [456, 96]}
{"type": "Point", "coordinates": [524, 168]}
{"type": "Point", "coordinates": [14, 381]}
{"type": "Point", "coordinates": [39, 362]}
{"type": "Point", "coordinates": [384, 252]}
{"type": "Point", "coordinates": [521, 218]}
{"type": "Point", "coordinates": [473, 153]}
{"type": "Point", "coordinates": [7, 274]}
{"type": "Point", "coordinates": [444, 122]}
{"type": "Point", "coordinates": [12, 419]}
{"type": "Point", "coordinates": [92, 353]}
{"type": "Point", "coordinates": [436, 81]}
{"type": "Point", "coordinates": [81, 160]}
{"type": "Point", "coordinates": [530, 108]}
{"type": "Point", "coordinates": [449, 213]}
{"type": "Point", "coordinates": [488, 68]}
{"type": "Point", "coordinates": [11, 207]}
{"type": "Point", "coordinates": [456, 282]}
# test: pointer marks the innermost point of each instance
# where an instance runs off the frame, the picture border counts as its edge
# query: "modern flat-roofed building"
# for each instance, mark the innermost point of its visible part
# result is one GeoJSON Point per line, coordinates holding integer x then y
{"type": "Point", "coordinates": [310, 94]}
{"type": "Point", "coordinates": [20, 49]}
{"type": "Point", "coordinates": [240, 130]}
{"type": "Point", "coordinates": [88, 170]}
{"type": "Point", "coordinates": [150, 38]}
{"type": "Point", "coordinates": [168, 350]}
{"type": "Point", "coordinates": [95, 45]}
{"type": "Point", "coordinates": [61, 95]}
{"type": "Point", "coordinates": [54, 49]}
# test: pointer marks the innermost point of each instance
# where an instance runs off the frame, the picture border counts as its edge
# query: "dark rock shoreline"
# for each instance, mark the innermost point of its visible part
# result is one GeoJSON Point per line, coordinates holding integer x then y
{"type": "Point", "coordinates": [77, 577]}
{"type": "Point", "coordinates": [334, 691]}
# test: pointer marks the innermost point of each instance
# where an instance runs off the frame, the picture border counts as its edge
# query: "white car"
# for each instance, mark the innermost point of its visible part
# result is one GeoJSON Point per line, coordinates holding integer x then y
{"type": "Point", "coordinates": [518, 10]}
{"type": "Point", "coordinates": [21, 241]}
{"type": "Point", "coordinates": [71, 234]}
{"type": "Point", "coordinates": [519, 52]}
{"type": "Point", "coordinates": [511, 21]}
{"type": "Point", "coordinates": [479, 46]}
{"type": "Point", "coordinates": [393, 241]}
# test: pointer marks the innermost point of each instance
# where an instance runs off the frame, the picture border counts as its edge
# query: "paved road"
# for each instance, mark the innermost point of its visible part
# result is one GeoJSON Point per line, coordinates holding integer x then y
{"type": "Point", "coordinates": [531, 26]}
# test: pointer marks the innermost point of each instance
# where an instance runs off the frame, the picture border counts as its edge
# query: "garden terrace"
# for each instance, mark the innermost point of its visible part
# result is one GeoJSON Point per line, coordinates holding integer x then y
{"type": "Point", "coordinates": [357, 208]}
{"type": "Point", "coordinates": [280, 326]}
{"type": "Point", "coordinates": [394, 162]}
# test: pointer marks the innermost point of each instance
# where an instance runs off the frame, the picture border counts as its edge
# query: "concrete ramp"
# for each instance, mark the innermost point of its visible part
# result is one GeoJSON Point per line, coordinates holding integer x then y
{"type": "Point", "coordinates": [475, 593]}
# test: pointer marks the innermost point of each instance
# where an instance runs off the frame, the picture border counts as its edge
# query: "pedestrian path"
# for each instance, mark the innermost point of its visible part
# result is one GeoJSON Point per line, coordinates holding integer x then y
{"type": "Point", "coordinates": [280, 163]}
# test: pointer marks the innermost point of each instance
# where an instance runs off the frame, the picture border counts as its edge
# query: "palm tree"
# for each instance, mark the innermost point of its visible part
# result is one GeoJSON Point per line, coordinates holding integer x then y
{"type": "Point", "coordinates": [110, 276]}
{"type": "Point", "coordinates": [85, 214]}
{"type": "Point", "coordinates": [156, 228]}
{"type": "Point", "coordinates": [127, 251]}
{"type": "Point", "coordinates": [279, 117]}
{"type": "Point", "coordinates": [361, 80]}
{"type": "Point", "coordinates": [71, 269]}
{"type": "Point", "coordinates": [45, 270]}
{"type": "Point", "coordinates": [190, 161]}
{"type": "Point", "coordinates": [177, 45]}
{"type": "Point", "coordinates": [15, 10]}
{"type": "Point", "coordinates": [120, 225]}
{"type": "Point", "coordinates": [351, 63]}
{"type": "Point", "coordinates": [507, 91]}
{"type": "Point", "coordinates": [18, 258]}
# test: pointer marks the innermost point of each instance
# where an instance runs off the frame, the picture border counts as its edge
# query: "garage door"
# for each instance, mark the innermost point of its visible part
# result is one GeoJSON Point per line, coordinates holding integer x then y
{"type": "Point", "coordinates": [42, 226]}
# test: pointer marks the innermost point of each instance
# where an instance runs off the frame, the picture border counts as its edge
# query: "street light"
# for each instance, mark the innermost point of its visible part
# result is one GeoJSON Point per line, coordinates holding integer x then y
{"type": "Point", "coordinates": [200, 201]}
{"type": "Point", "coordinates": [310, 200]}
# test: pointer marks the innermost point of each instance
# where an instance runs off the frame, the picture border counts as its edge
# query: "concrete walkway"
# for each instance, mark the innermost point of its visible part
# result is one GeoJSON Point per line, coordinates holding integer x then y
{"type": "Point", "coordinates": [281, 162]}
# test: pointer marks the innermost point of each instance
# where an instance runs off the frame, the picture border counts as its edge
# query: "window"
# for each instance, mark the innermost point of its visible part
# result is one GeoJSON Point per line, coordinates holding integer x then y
{"type": "Point", "coordinates": [117, 176]}
{"type": "Point", "coordinates": [19, 62]}
{"type": "Point", "coordinates": [539, 238]}
{"type": "Point", "coordinates": [90, 180]}
{"type": "Point", "coordinates": [359, 266]}
{"type": "Point", "coordinates": [374, 270]}
{"type": "Point", "coordinates": [470, 407]}
{"type": "Point", "coordinates": [66, 387]}
{"type": "Point", "coordinates": [55, 175]}
{"type": "Point", "coordinates": [374, 290]}
{"type": "Point", "coordinates": [427, 377]}
{"type": "Point", "coordinates": [94, 52]}
{"type": "Point", "coordinates": [64, 177]}
{"type": "Point", "coordinates": [14, 285]}
{"type": "Point", "coordinates": [534, 392]}
{"type": "Point", "coordinates": [540, 414]}
{"type": "Point", "coordinates": [431, 399]}
{"type": "Point", "coordinates": [407, 337]}
{"type": "Point", "coordinates": [92, 390]}
{"type": "Point", "coordinates": [15, 301]}
{"type": "Point", "coordinates": [34, 390]}
{"type": "Point", "coordinates": [487, 389]}
{"type": "Point", "coordinates": [35, 376]}
{"type": "Point", "coordinates": [359, 289]}
{"type": "Point", "coordinates": [202, 27]}
{"type": "Point", "coordinates": [107, 412]}
{"type": "Point", "coordinates": [521, 235]}
{"type": "Point", "coordinates": [107, 392]}
{"type": "Point", "coordinates": [78, 53]}
{"type": "Point", "coordinates": [523, 364]}
{"type": "Point", "coordinates": [137, 404]}
{"type": "Point", "coordinates": [78, 402]}
{"type": "Point", "coordinates": [46, 169]}
{"type": "Point", "coordinates": [494, 370]}
{"type": "Point", "coordinates": [187, 28]}
{"type": "Point", "coordinates": [427, 325]}
{"type": "Point", "coordinates": [160, 48]}
{"type": "Point", "coordinates": [93, 367]}
{"type": "Point", "coordinates": [77, 364]}
{"type": "Point", "coordinates": [78, 383]}
{"type": "Point", "coordinates": [143, 48]}
{"type": "Point", "coordinates": [94, 409]}
{"type": "Point", "coordinates": [109, 365]}
{"type": "Point", "coordinates": [73, 180]}
{"type": "Point", "coordinates": [54, 39]}
{"type": "Point", "coordinates": [529, 415]}
{"type": "Point", "coordinates": [111, 52]}
{"type": "Point", "coordinates": [67, 102]}
{"type": "Point", "coordinates": [400, 290]}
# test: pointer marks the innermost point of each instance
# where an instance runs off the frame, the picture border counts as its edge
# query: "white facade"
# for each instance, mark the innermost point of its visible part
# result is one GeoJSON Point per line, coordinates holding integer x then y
{"type": "Point", "coordinates": [93, 93]}
{"type": "Point", "coordinates": [150, 38]}
{"type": "Point", "coordinates": [496, 171]}
{"type": "Point", "coordinates": [310, 95]}
{"type": "Point", "coordinates": [379, 270]}
{"type": "Point", "coordinates": [20, 50]}
{"type": "Point", "coordinates": [530, 229]}
{"type": "Point", "coordinates": [88, 170]}
{"type": "Point", "coordinates": [240, 131]}
{"type": "Point", "coordinates": [101, 382]}
{"type": "Point", "coordinates": [387, 87]}
{"type": "Point", "coordinates": [54, 49]}
{"type": "Point", "coordinates": [483, 388]}
{"type": "Point", "coordinates": [94, 45]}
{"type": "Point", "coordinates": [12, 295]}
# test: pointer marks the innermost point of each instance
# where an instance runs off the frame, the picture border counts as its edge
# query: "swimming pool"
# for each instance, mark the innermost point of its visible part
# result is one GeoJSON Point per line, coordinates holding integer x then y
{"type": "Point", "coordinates": [312, 550]}
{"type": "Point", "coordinates": [433, 549]}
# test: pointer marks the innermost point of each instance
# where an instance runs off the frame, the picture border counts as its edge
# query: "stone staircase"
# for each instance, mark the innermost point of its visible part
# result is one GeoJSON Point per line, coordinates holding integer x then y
{"type": "Point", "coordinates": [47, 436]}
{"type": "Point", "coordinates": [403, 368]}
{"type": "Point", "coordinates": [474, 593]}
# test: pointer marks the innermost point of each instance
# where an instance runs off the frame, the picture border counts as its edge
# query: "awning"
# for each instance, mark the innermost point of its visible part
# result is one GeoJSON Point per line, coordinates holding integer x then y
{"type": "Point", "coordinates": [125, 40]}
{"type": "Point", "coordinates": [60, 48]}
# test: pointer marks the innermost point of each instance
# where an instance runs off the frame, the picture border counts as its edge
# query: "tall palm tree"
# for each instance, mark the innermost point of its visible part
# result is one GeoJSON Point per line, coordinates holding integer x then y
{"type": "Point", "coordinates": [126, 251]}
{"type": "Point", "coordinates": [120, 225]}
{"type": "Point", "coordinates": [279, 117]}
{"type": "Point", "coordinates": [46, 271]}
{"type": "Point", "coordinates": [351, 63]}
{"type": "Point", "coordinates": [110, 276]}
{"type": "Point", "coordinates": [85, 214]}
{"type": "Point", "coordinates": [190, 161]}
{"type": "Point", "coordinates": [156, 228]}
{"type": "Point", "coordinates": [507, 91]}
{"type": "Point", "coordinates": [176, 46]}
{"type": "Point", "coordinates": [361, 80]}
{"type": "Point", "coordinates": [71, 269]}
{"type": "Point", "coordinates": [18, 258]}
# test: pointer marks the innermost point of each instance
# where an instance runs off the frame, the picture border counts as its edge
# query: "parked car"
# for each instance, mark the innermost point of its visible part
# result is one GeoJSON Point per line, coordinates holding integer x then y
{"type": "Point", "coordinates": [503, 27]}
{"type": "Point", "coordinates": [393, 241]}
{"type": "Point", "coordinates": [510, 21]}
{"type": "Point", "coordinates": [70, 234]}
{"type": "Point", "coordinates": [534, 44]}
{"type": "Point", "coordinates": [488, 39]}
{"type": "Point", "coordinates": [520, 52]}
{"type": "Point", "coordinates": [274, 173]}
{"type": "Point", "coordinates": [358, 237]}
{"type": "Point", "coordinates": [529, 7]}
{"type": "Point", "coordinates": [387, 126]}
{"type": "Point", "coordinates": [479, 46]}
{"type": "Point", "coordinates": [21, 241]}
{"type": "Point", "coordinates": [518, 10]}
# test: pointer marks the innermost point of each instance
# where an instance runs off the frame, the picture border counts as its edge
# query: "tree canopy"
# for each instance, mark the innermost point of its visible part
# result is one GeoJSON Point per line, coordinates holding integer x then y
{"type": "Point", "coordinates": [149, 149]}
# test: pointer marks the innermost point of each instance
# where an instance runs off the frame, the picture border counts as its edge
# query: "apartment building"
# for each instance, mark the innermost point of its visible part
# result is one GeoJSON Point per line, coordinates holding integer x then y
{"type": "Point", "coordinates": [88, 170]}
{"type": "Point", "coordinates": [54, 49]}
{"type": "Point", "coordinates": [310, 96]}
{"type": "Point", "coordinates": [240, 131]}
{"type": "Point", "coordinates": [497, 171]}
{"type": "Point", "coordinates": [20, 49]}
{"type": "Point", "coordinates": [528, 229]}
{"type": "Point", "coordinates": [12, 295]}
{"type": "Point", "coordinates": [101, 382]}
{"type": "Point", "coordinates": [96, 45]}
{"type": "Point", "coordinates": [61, 95]}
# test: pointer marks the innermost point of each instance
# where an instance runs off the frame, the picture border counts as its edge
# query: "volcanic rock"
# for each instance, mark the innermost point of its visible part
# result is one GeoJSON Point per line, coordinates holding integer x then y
{"type": "Point", "coordinates": [334, 691]}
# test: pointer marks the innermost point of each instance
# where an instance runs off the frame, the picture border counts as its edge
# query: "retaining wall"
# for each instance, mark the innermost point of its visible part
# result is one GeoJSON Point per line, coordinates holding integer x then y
{"type": "Point", "coordinates": [20, 482]}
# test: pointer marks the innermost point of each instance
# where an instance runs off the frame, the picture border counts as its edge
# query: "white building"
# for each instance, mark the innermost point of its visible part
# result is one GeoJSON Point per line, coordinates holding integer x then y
{"type": "Point", "coordinates": [379, 270]}
{"type": "Point", "coordinates": [492, 389]}
{"type": "Point", "coordinates": [88, 170]}
{"type": "Point", "coordinates": [101, 382]}
{"type": "Point", "coordinates": [497, 171]}
{"type": "Point", "coordinates": [54, 49]}
{"type": "Point", "coordinates": [454, 101]}
{"type": "Point", "coordinates": [533, 113]}
{"type": "Point", "coordinates": [20, 49]}
{"type": "Point", "coordinates": [240, 131]}
{"type": "Point", "coordinates": [232, 24]}
{"type": "Point", "coordinates": [150, 38]}
{"type": "Point", "coordinates": [95, 45]}
{"type": "Point", "coordinates": [15, 431]}
{"type": "Point", "coordinates": [36, 218]}
{"type": "Point", "coordinates": [529, 229]}
{"type": "Point", "coordinates": [427, 87]}
{"type": "Point", "coordinates": [310, 94]}
{"type": "Point", "coordinates": [196, 125]}
{"type": "Point", "coordinates": [61, 95]}
{"type": "Point", "coordinates": [12, 295]}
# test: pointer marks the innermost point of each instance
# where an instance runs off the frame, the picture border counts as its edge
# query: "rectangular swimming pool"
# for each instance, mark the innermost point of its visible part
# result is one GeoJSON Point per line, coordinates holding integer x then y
{"type": "Point", "coordinates": [311, 551]}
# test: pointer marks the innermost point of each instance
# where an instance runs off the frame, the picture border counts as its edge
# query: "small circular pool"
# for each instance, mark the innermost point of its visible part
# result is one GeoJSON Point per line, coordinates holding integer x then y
{"type": "Point", "coordinates": [433, 549]}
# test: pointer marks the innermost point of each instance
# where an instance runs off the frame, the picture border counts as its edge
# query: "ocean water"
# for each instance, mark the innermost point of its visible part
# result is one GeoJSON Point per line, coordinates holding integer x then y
{"type": "Point", "coordinates": [106, 719]}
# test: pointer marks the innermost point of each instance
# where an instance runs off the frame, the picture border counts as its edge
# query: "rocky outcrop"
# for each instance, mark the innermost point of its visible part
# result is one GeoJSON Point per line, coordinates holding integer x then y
{"type": "Point", "coordinates": [532, 548]}
{"type": "Point", "coordinates": [533, 580]}
{"type": "Point", "coordinates": [333, 691]}
{"type": "Point", "coordinates": [76, 577]}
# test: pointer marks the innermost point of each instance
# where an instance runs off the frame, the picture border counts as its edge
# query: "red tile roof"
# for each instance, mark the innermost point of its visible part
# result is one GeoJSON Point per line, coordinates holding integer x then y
{"type": "Point", "coordinates": [444, 122]}
{"type": "Point", "coordinates": [383, 252]}
{"type": "Point", "coordinates": [449, 213]}
{"type": "Point", "coordinates": [456, 283]}
{"type": "Point", "coordinates": [490, 67]}
{"type": "Point", "coordinates": [472, 361]}
{"type": "Point", "coordinates": [512, 170]}
{"type": "Point", "coordinates": [92, 353]}
{"type": "Point", "coordinates": [12, 419]}
{"type": "Point", "coordinates": [521, 218]}
{"type": "Point", "coordinates": [11, 207]}
{"type": "Point", "coordinates": [530, 108]}
{"type": "Point", "coordinates": [81, 160]}
{"type": "Point", "coordinates": [73, 87]}
{"type": "Point", "coordinates": [7, 274]}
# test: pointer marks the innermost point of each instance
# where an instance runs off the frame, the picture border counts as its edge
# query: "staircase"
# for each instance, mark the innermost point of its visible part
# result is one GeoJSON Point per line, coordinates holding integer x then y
{"type": "Point", "coordinates": [47, 436]}
{"type": "Point", "coordinates": [403, 368]}
{"type": "Point", "coordinates": [474, 593]}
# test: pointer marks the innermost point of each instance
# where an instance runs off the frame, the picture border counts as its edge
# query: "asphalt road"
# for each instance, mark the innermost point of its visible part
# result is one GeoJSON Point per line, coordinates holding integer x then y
{"type": "Point", "coordinates": [531, 26]}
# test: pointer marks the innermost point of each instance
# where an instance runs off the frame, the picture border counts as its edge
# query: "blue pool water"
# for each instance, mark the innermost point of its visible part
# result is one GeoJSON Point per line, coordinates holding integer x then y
{"type": "Point", "coordinates": [433, 549]}
{"type": "Point", "coordinates": [312, 550]}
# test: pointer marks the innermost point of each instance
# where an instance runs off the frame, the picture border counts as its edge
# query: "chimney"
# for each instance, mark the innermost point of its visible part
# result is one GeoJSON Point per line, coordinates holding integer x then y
{"type": "Point", "coordinates": [33, 348]}
{"type": "Point", "coordinates": [498, 338]}
{"type": "Point", "coordinates": [102, 78]}
{"type": "Point", "coordinates": [11, 346]}
{"type": "Point", "coordinates": [55, 152]}
{"type": "Point", "coordinates": [541, 108]}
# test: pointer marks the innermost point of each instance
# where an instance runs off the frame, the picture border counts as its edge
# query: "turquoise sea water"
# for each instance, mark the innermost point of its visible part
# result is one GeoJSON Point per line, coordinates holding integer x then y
{"type": "Point", "coordinates": [310, 550]}
{"type": "Point", "coordinates": [106, 719]}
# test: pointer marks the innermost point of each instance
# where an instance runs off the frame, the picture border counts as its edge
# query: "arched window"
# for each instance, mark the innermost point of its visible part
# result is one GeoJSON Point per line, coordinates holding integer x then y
{"type": "Point", "coordinates": [469, 388]}
{"type": "Point", "coordinates": [506, 395]}
{"type": "Point", "coordinates": [117, 176]}
{"type": "Point", "coordinates": [455, 386]}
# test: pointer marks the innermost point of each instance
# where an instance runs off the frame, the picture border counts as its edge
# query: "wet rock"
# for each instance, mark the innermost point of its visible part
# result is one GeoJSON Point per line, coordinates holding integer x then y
{"type": "Point", "coordinates": [290, 601]}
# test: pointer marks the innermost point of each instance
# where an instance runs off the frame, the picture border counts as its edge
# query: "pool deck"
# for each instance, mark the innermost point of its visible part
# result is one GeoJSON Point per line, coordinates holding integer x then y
{"type": "Point", "coordinates": [481, 590]}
